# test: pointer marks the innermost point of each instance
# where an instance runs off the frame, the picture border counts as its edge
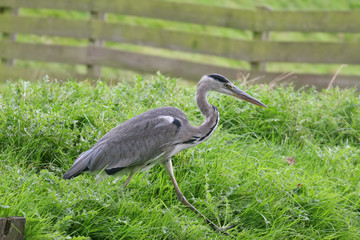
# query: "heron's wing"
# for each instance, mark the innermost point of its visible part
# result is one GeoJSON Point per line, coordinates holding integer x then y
{"type": "Point", "coordinates": [134, 144]}
{"type": "Point", "coordinates": [129, 144]}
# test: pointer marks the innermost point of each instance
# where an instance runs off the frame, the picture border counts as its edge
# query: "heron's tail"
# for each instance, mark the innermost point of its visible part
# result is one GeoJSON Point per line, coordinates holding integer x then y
{"type": "Point", "coordinates": [80, 165]}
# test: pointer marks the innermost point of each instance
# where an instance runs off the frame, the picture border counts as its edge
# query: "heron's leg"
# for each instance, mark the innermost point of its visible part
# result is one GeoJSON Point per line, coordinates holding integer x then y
{"type": "Point", "coordinates": [168, 166]}
{"type": "Point", "coordinates": [128, 179]}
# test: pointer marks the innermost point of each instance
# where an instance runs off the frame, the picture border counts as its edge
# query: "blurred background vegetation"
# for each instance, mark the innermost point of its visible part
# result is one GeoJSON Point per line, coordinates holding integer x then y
{"type": "Point", "coordinates": [113, 74]}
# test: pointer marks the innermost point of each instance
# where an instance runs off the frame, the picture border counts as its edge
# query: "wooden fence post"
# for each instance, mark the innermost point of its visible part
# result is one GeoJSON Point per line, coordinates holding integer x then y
{"type": "Point", "coordinates": [262, 36]}
{"type": "Point", "coordinates": [9, 36]}
{"type": "Point", "coordinates": [12, 228]}
{"type": "Point", "coordinates": [93, 70]}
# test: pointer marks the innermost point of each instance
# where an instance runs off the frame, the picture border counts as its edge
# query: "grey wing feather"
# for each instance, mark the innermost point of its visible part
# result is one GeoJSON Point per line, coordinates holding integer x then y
{"type": "Point", "coordinates": [132, 143]}
{"type": "Point", "coordinates": [79, 165]}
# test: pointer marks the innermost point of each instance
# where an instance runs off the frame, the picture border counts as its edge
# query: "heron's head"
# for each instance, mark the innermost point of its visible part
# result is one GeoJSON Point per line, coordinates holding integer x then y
{"type": "Point", "coordinates": [218, 83]}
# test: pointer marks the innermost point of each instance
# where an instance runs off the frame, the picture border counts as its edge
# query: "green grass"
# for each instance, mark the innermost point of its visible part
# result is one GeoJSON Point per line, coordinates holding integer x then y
{"type": "Point", "coordinates": [239, 177]}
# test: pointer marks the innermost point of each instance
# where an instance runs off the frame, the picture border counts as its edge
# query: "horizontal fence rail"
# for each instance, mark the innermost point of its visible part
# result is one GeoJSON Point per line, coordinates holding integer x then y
{"type": "Point", "coordinates": [262, 51]}
{"type": "Point", "coordinates": [258, 51]}
{"type": "Point", "coordinates": [334, 21]}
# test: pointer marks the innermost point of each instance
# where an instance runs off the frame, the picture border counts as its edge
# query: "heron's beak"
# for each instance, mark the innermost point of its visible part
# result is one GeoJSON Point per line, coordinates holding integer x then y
{"type": "Point", "coordinates": [244, 96]}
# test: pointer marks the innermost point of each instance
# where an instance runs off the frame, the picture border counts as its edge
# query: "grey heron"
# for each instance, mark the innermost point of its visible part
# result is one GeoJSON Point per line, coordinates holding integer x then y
{"type": "Point", "coordinates": [155, 136]}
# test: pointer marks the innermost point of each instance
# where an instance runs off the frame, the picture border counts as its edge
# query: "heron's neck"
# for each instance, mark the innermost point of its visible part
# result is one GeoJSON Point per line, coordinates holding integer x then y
{"type": "Point", "coordinates": [201, 100]}
{"type": "Point", "coordinates": [211, 113]}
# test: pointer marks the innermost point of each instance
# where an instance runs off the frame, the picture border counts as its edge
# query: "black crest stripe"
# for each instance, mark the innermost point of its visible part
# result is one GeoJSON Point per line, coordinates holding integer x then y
{"type": "Point", "coordinates": [219, 78]}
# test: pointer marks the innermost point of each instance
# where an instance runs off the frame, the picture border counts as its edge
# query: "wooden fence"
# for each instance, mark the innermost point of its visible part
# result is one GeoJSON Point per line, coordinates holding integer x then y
{"type": "Point", "coordinates": [257, 51]}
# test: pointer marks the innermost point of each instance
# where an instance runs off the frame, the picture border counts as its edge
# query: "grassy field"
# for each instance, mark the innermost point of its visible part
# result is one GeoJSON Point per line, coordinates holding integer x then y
{"type": "Point", "coordinates": [239, 177]}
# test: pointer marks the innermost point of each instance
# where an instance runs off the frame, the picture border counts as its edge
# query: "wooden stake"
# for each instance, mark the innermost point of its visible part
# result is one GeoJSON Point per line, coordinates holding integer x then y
{"type": "Point", "coordinates": [12, 228]}
{"type": "Point", "coordinates": [93, 70]}
{"type": "Point", "coordinates": [9, 36]}
{"type": "Point", "coordinates": [262, 36]}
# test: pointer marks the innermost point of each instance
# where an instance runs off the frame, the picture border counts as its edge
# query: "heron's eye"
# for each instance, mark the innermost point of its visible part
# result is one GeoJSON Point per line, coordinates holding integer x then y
{"type": "Point", "coordinates": [228, 86]}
